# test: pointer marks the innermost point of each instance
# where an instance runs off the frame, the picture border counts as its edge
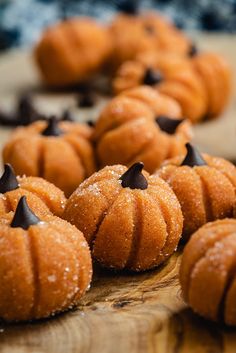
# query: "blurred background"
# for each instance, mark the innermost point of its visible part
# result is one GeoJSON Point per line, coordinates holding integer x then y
{"type": "Point", "coordinates": [22, 21]}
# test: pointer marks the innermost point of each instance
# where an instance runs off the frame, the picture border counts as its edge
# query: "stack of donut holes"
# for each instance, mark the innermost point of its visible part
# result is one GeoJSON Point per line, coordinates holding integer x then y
{"type": "Point", "coordinates": [126, 191]}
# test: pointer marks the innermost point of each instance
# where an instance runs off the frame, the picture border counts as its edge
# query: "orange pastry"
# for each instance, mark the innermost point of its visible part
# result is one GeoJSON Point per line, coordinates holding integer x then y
{"type": "Point", "coordinates": [135, 34]}
{"type": "Point", "coordinates": [43, 197]}
{"type": "Point", "coordinates": [216, 77]}
{"type": "Point", "coordinates": [130, 129]}
{"type": "Point", "coordinates": [171, 75]}
{"type": "Point", "coordinates": [207, 271]}
{"type": "Point", "coordinates": [59, 152]}
{"type": "Point", "coordinates": [129, 38]}
{"type": "Point", "coordinates": [130, 220]}
{"type": "Point", "coordinates": [204, 185]}
{"type": "Point", "coordinates": [72, 51]}
{"type": "Point", "coordinates": [167, 36]}
{"type": "Point", "coordinates": [45, 265]}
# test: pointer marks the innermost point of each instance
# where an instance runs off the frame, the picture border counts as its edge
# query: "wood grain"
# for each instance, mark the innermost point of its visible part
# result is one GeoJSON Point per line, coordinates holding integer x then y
{"type": "Point", "coordinates": [122, 312]}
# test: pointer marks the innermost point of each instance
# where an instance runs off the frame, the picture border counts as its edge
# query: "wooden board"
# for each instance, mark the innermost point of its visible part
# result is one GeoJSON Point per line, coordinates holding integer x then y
{"type": "Point", "coordinates": [122, 312]}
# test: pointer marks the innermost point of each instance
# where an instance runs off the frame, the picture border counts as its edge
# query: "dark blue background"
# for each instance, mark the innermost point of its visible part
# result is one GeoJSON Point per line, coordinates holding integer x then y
{"type": "Point", "coordinates": [21, 21]}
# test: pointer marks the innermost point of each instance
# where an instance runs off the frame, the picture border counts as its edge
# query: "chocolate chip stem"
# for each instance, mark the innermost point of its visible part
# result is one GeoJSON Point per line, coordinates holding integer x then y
{"type": "Point", "coordinates": [52, 128]}
{"type": "Point", "coordinates": [8, 180]}
{"type": "Point", "coordinates": [24, 217]}
{"type": "Point", "coordinates": [133, 177]}
{"type": "Point", "coordinates": [167, 124]}
{"type": "Point", "coordinates": [152, 77]}
{"type": "Point", "coordinates": [193, 157]}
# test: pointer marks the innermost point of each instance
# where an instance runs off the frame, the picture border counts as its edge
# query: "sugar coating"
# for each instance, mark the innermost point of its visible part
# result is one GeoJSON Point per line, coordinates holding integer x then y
{"type": "Point", "coordinates": [126, 131]}
{"type": "Point", "coordinates": [43, 197]}
{"type": "Point", "coordinates": [126, 228]}
{"type": "Point", "coordinates": [181, 82]}
{"type": "Point", "coordinates": [64, 160]}
{"type": "Point", "coordinates": [75, 64]}
{"type": "Point", "coordinates": [216, 76]}
{"type": "Point", "coordinates": [207, 271]}
{"type": "Point", "coordinates": [44, 270]}
{"type": "Point", "coordinates": [206, 193]}
{"type": "Point", "coordinates": [131, 36]}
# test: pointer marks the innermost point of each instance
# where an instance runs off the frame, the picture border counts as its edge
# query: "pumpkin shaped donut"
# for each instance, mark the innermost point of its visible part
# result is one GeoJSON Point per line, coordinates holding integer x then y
{"type": "Point", "coordinates": [207, 271]}
{"type": "Point", "coordinates": [167, 36]}
{"type": "Point", "coordinates": [138, 102]}
{"type": "Point", "coordinates": [59, 152]}
{"type": "Point", "coordinates": [130, 220]}
{"type": "Point", "coordinates": [135, 34]}
{"type": "Point", "coordinates": [216, 77]}
{"type": "Point", "coordinates": [204, 185]}
{"type": "Point", "coordinates": [128, 130]}
{"type": "Point", "coordinates": [72, 51]}
{"type": "Point", "coordinates": [43, 197]}
{"type": "Point", "coordinates": [129, 38]}
{"type": "Point", "coordinates": [171, 75]}
{"type": "Point", "coordinates": [45, 265]}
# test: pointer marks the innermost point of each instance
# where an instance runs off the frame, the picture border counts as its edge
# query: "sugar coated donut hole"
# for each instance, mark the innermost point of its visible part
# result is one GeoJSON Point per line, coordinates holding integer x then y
{"type": "Point", "coordinates": [207, 271]}
{"type": "Point", "coordinates": [131, 220]}
{"type": "Point", "coordinates": [204, 185]}
{"type": "Point", "coordinates": [45, 265]}
{"type": "Point", "coordinates": [43, 197]}
{"type": "Point", "coordinates": [72, 51]}
{"type": "Point", "coordinates": [140, 125]}
{"type": "Point", "coordinates": [60, 152]}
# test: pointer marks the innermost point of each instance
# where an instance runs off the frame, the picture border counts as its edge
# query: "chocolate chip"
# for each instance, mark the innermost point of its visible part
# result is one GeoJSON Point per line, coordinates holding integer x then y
{"type": "Point", "coordinates": [167, 124]}
{"type": "Point", "coordinates": [193, 50]}
{"type": "Point", "coordinates": [24, 114]}
{"type": "Point", "coordinates": [152, 77]}
{"type": "Point", "coordinates": [67, 116]}
{"type": "Point", "coordinates": [193, 157]}
{"type": "Point", "coordinates": [133, 178]}
{"type": "Point", "coordinates": [25, 111]}
{"type": "Point", "coordinates": [129, 7]}
{"type": "Point", "coordinates": [24, 217]}
{"type": "Point", "coordinates": [86, 100]}
{"type": "Point", "coordinates": [52, 128]}
{"type": "Point", "coordinates": [90, 123]}
{"type": "Point", "coordinates": [8, 119]}
{"type": "Point", "coordinates": [8, 180]}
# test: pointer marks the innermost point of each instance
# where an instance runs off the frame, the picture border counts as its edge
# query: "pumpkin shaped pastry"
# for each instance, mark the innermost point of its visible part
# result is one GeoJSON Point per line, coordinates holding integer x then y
{"type": "Point", "coordinates": [216, 77]}
{"type": "Point", "coordinates": [59, 152]}
{"type": "Point", "coordinates": [130, 220]}
{"type": "Point", "coordinates": [129, 38]}
{"type": "Point", "coordinates": [135, 34]}
{"type": "Point", "coordinates": [126, 134]}
{"type": "Point", "coordinates": [45, 265]}
{"type": "Point", "coordinates": [43, 197]}
{"type": "Point", "coordinates": [204, 185]}
{"type": "Point", "coordinates": [138, 102]}
{"type": "Point", "coordinates": [72, 51]}
{"type": "Point", "coordinates": [166, 35]}
{"type": "Point", "coordinates": [207, 271]}
{"type": "Point", "coordinates": [169, 73]}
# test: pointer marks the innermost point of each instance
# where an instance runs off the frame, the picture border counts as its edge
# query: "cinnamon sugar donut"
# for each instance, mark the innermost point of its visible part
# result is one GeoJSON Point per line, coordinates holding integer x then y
{"type": "Point", "coordinates": [216, 77]}
{"type": "Point", "coordinates": [60, 152]}
{"type": "Point", "coordinates": [136, 34]}
{"type": "Point", "coordinates": [171, 75]}
{"type": "Point", "coordinates": [130, 220]}
{"type": "Point", "coordinates": [72, 51]}
{"type": "Point", "coordinates": [125, 133]}
{"type": "Point", "coordinates": [45, 265]}
{"type": "Point", "coordinates": [204, 185]}
{"type": "Point", "coordinates": [43, 197]}
{"type": "Point", "coordinates": [207, 271]}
